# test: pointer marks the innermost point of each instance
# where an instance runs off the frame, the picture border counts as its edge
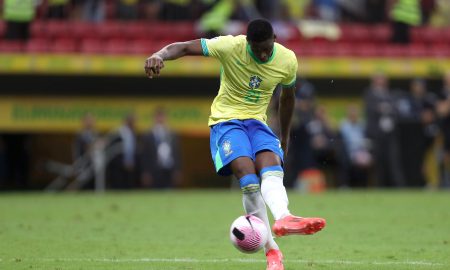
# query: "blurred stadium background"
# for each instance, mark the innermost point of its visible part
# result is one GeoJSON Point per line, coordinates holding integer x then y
{"type": "Point", "coordinates": [78, 113]}
{"type": "Point", "coordinates": [372, 110]}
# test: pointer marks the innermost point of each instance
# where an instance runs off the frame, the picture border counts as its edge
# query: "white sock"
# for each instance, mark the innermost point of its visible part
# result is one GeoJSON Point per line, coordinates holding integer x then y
{"type": "Point", "coordinates": [274, 193]}
{"type": "Point", "coordinates": [254, 205]}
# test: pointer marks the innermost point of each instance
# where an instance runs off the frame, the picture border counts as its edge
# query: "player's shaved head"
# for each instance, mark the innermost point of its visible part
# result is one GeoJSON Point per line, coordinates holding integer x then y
{"type": "Point", "coordinates": [261, 39]}
{"type": "Point", "coordinates": [259, 30]}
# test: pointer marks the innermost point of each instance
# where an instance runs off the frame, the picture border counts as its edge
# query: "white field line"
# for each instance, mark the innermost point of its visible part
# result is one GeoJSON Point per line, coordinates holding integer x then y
{"type": "Point", "coordinates": [192, 260]}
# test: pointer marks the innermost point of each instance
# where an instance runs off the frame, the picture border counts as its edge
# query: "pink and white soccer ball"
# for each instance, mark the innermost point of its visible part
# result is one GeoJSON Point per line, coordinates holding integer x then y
{"type": "Point", "coordinates": [248, 233]}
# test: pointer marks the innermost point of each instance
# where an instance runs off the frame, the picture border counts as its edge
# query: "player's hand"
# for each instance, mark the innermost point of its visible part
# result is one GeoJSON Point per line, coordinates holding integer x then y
{"type": "Point", "coordinates": [153, 65]}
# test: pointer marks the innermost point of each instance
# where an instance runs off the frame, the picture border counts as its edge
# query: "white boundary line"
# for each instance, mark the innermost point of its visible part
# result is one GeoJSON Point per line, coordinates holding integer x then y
{"type": "Point", "coordinates": [193, 260]}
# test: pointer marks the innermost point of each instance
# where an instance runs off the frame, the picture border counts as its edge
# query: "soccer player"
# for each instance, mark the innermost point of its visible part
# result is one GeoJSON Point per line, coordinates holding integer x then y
{"type": "Point", "coordinates": [241, 142]}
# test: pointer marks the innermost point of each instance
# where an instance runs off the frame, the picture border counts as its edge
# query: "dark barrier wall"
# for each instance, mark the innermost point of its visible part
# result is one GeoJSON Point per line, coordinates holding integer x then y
{"type": "Point", "coordinates": [163, 86]}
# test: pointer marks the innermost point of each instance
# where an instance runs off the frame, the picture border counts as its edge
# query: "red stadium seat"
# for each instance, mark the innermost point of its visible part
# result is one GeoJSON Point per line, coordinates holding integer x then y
{"type": "Point", "coordinates": [313, 49]}
{"type": "Point", "coordinates": [417, 50]}
{"type": "Point", "coordinates": [11, 46]}
{"type": "Point", "coordinates": [92, 46]}
{"type": "Point", "coordinates": [58, 29]}
{"type": "Point", "coordinates": [179, 31]}
{"type": "Point", "coordinates": [141, 47]}
{"type": "Point", "coordinates": [37, 45]}
{"type": "Point", "coordinates": [390, 50]}
{"type": "Point", "coordinates": [137, 30]}
{"type": "Point", "coordinates": [446, 34]}
{"type": "Point", "coordinates": [83, 30]}
{"type": "Point", "coordinates": [38, 29]}
{"type": "Point", "coordinates": [183, 31]}
{"type": "Point", "coordinates": [381, 33]}
{"type": "Point", "coordinates": [355, 33]}
{"type": "Point", "coordinates": [2, 28]}
{"type": "Point", "coordinates": [427, 35]}
{"type": "Point", "coordinates": [367, 50]}
{"type": "Point", "coordinates": [342, 49]}
{"type": "Point", "coordinates": [116, 46]}
{"type": "Point", "coordinates": [64, 45]}
{"type": "Point", "coordinates": [160, 31]}
{"type": "Point", "coordinates": [111, 30]}
{"type": "Point", "coordinates": [434, 35]}
{"type": "Point", "coordinates": [440, 50]}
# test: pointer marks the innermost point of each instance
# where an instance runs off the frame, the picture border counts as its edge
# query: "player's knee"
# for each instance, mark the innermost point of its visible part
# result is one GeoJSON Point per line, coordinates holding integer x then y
{"type": "Point", "coordinates": [249, 183]}
{"type": "Point", "coordinates": [241, 169]}
{"type": "Point", "coordinates": [272, 171]}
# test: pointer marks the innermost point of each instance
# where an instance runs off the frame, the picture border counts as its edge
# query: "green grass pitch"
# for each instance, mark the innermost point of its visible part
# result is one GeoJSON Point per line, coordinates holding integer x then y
{"type": "Point", "coordinates": [189, 230]}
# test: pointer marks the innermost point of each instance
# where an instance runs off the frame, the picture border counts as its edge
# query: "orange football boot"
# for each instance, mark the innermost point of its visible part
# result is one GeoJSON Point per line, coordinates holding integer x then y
{"type": "Point", "coordinates": [274, 260]}
{"type": "Point", "coordinates": [297, 225]}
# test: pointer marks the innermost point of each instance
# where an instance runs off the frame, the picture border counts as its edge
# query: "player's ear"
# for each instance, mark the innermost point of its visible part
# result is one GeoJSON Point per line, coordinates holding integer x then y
{"type": "Point", "coordinates": [274, 37]}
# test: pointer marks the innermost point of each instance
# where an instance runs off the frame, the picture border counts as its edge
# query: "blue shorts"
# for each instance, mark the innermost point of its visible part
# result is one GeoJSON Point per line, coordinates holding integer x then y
{"type": "Point", "coordinates": [240, 138]}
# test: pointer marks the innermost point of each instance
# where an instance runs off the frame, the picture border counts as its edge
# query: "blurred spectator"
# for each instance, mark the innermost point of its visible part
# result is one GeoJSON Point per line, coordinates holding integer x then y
{"type": "Point", "coordinates": [127, 9]}
{"type": "Point", "coordinates": [356, 159]}
{"type": "Point", "coordinates": [58, 9]}
{"type": "Point", "coordinates": [322, 136]}
{"type": "Point", "coordinates": [77, 7]}
{"type": "Point", "coordinates": [352, 10]}
{"type": "Point", "coordinates": [321, 139]}
{"type": "Point", "coordinates": [295, 9]}
{"type": "Point", "coordinates": [18, 15]}
{"type": "Point", "coordinates": [213, 22]}
{"type": "Point", "coordinates": [376, 11]}
{"type": "Point", "coordinates": [427, 7]}
{"type": "Point", "coordinates": [404, 14]}
{"type": "Point", "coordinates": [219, 20]}
{"type": "Point", "coordinates": [82, 153]}
{"type": "Point", "coordinates": [86, 137]}
{"type": "Point", "coordinates": [441, 14]}
{"type": "Point", "coordinates": [122, 171]}
{"type": "Point", "coordinates": [176, 10]}
{"type": "Point", "coordinates": [327, 10]}
{"type": "Point", "coordinates": [443, 109]}
{"type": "Point", "coordinates": [416, 130]}
{"type": "Point", "coordinates": [94, 10]}
{"type": "Point", "coordinates": [268, 9]}
{"type": "Point", "coordinates": [161, 160]}
{"type": "Point", "coordinates": [89, 10]}
{"type": "Point", "coordinates": [151, 9]}
{"type": "Point", "coordinates": [380, 113]}
{"type": "Point", "coordinates": [301, 155]}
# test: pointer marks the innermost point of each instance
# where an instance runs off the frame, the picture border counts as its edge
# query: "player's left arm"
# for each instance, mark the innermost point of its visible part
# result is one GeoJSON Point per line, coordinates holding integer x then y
{"type": "Point", "coordinates": [286, 110]}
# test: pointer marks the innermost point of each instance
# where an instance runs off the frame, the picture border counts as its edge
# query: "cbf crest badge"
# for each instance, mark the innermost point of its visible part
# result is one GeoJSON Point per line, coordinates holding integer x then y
{"type": "Point", "coordinates": [226, 147]}
{"type": "Point", "coordinates": [255, 81]}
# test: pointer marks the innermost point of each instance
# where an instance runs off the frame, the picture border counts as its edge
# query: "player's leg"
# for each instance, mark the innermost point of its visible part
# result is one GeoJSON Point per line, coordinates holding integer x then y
{"type": "Point", "coordinates": [268, 161]}
{"type": "Point", "coordinates": [244, 169]}
{"type": "Point", "coordinates": [275, 196]}
{"type": "Point", "coordinates": [232, 154]}
{"type": "Point", "coordinates": [268, 164]}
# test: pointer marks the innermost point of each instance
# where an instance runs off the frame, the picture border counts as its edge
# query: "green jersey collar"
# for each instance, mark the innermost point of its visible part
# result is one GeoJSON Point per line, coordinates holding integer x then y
{"type": "Point", "coordinates": [249, 50]}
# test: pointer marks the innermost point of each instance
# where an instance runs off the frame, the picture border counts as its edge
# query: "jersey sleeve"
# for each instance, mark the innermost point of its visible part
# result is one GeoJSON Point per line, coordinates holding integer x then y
{"type": "Point", "coordinates": [218, 47]}
{"type": "Point", "coordinates": [291, 77]}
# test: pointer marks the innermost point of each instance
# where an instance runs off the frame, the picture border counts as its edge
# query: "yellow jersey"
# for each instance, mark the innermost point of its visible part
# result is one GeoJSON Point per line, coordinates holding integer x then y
{"type": "Point", "coordinates": [246, 83]}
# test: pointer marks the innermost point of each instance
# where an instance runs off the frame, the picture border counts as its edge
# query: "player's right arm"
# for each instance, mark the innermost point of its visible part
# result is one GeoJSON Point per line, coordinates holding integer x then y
{"type": "Point", "coordinates": [155, 63]}
{"type": "Point", "coordinates": [287, 102]}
